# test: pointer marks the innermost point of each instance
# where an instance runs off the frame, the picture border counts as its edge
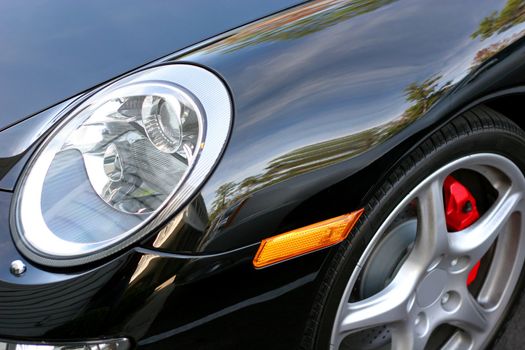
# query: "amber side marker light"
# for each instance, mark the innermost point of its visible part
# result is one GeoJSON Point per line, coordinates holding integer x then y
{"type": "Point", "coordinates": [305, 239]}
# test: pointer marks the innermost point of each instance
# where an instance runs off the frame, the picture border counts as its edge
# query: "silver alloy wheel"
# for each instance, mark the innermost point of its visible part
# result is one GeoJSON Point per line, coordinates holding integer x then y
{"type": "Point", "coordinates": [430, 287]}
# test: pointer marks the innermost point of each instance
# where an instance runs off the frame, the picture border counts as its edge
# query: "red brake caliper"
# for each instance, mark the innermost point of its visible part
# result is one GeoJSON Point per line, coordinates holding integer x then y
{"type": "Point", "coordinates": [460, 211]}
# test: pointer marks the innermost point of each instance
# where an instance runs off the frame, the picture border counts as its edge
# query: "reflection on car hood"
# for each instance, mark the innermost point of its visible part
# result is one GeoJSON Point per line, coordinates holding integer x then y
{"type": "Point", "coordinates": [54, 49]}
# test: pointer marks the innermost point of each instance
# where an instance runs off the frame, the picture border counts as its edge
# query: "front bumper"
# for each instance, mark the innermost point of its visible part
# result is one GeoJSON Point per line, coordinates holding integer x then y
{"type": "Point", "coordinates": [158, 300]}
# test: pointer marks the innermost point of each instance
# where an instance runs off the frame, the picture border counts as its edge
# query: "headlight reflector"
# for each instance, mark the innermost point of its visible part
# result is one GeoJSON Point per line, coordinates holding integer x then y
{"type": "Point", "coordinates": [125, 141]}
{"type": "Point", "coordinates": [120, 163]}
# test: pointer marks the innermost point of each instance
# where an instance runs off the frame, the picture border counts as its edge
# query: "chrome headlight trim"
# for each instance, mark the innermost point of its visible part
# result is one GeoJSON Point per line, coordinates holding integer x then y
{"type": "Point", "coordinates": [216, 109]}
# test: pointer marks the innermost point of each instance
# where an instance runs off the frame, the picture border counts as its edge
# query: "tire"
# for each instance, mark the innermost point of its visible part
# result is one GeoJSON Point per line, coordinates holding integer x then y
{"type": "Point", "coordinates": [480, 131]}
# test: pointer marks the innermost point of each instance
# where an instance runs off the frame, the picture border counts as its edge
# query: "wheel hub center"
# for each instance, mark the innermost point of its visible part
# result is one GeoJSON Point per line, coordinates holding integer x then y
{"type": "Point", "coordinates": [431, 288]}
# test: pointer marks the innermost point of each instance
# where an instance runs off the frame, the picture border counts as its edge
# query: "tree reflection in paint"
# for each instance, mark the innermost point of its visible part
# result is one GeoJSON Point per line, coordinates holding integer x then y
{"type": "Point", "coordinates": [421, 97]}
{"type": "Point", "coordinates": [298, 23]}
{"type": "Point", "coordinates": [512, 13]}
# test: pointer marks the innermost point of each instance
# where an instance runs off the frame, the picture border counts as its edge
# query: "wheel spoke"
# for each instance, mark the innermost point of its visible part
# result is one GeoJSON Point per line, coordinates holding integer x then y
{"type": "Point", "coordinates": [476, 240]}
{"type": "Point", "coordinates": [470, 315]}
{"type": "Point", "coordinates": [431, 239]}
{"type": "Point", "coordinates": [389, 305]}
{"type": "Point", "coordinates": [508, 258]}
{"type": "Point", "coordinates": [405, 337]}
{"type": "Point", "coordinates": [496, 178]}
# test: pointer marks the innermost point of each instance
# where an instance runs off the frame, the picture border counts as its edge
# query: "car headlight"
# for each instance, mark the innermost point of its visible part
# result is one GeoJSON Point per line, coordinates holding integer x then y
{"type": "Point", "coordinates": [120, 164]}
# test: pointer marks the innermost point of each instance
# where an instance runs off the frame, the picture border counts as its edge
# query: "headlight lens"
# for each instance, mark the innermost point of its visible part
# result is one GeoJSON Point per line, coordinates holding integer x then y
{"type": "Point", "coordinates": [120, 164]}
{"type": "Point", "coordinates": [136, 148]}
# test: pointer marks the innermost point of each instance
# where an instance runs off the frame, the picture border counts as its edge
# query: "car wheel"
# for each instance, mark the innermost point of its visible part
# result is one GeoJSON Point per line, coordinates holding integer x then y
{"type": "Point", "coordinates": [436, 260]}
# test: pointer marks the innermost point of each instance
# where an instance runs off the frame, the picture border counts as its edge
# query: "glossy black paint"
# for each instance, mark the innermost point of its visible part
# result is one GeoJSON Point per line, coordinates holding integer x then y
{"type": "Point", "coordinates": [324, 105]}
{"type": "Point", "coordinates": [325, 90]}
{"type": "Point", "coordinates": [158, 299]}
{"type": "Point", "coordinates": [53, 50]}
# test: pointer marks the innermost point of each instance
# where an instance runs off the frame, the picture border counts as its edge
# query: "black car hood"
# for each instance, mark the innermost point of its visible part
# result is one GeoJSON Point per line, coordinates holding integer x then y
{"type": "Point", "coordinates": [51, 50]}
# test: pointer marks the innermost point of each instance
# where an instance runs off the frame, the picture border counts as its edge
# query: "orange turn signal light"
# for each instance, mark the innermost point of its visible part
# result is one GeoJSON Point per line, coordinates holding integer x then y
{"type": "Point", "coordinates": [305, 240]}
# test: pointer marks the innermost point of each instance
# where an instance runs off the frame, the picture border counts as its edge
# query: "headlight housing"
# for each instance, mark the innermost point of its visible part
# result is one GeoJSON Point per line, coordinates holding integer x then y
{"type": "Point", "coordinates": [120, 163]}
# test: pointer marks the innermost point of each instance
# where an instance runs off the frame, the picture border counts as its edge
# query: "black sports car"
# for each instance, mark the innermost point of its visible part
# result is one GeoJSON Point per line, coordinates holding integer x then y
{"type": "Point", "coordinates": [275, 174]}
